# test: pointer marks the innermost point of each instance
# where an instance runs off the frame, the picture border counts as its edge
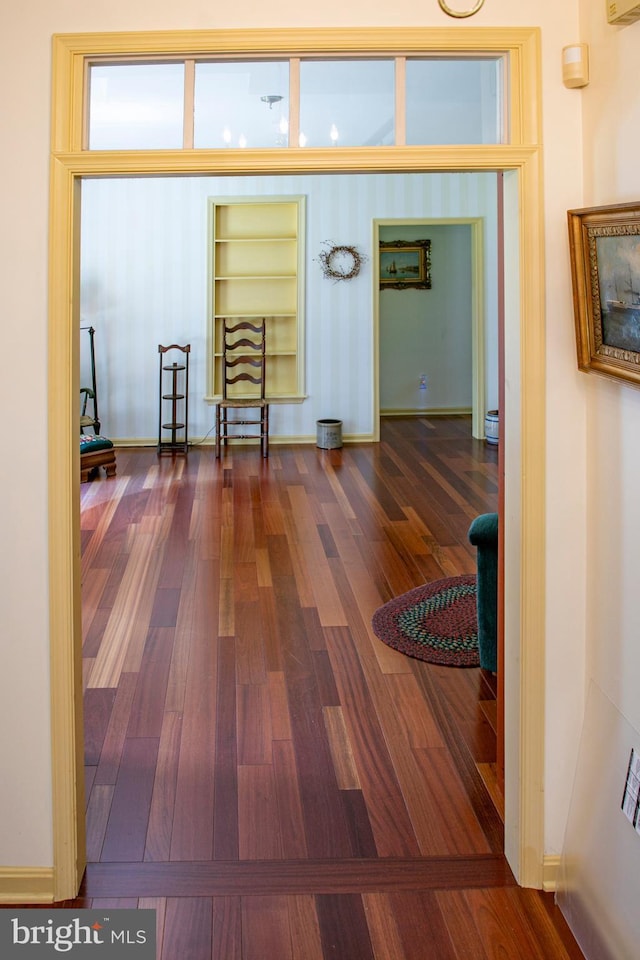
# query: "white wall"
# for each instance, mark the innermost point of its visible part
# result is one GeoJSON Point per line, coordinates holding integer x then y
{"type": "Point", "coordinates": [611, 115]}
{"type": "Point", "coordinates": [612, 131]}
{"type": "Point", "coordinates": [25, 32]}
{"type": "Point", "coordinates": [144, 282]}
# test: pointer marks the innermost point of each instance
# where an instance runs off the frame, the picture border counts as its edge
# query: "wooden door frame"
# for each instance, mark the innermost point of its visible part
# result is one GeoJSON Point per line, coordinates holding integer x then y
{"type": "Point", "coordinates": [525, 355]}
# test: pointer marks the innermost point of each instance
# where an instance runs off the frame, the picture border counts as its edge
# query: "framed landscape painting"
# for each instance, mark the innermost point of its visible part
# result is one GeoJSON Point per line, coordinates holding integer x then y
{"type": "Point", "coordinates": [604, 244]}
{"type": "Point", "coordinates": [405, 263]}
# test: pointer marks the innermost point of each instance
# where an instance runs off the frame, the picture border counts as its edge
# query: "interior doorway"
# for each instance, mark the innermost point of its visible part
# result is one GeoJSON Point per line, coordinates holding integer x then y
{"type": "Point", "coordinates": [524, 358]}
{"type": "Point", "coordinates": [101, 296]}
{"type": "Point", "coordinates": [437, 348]}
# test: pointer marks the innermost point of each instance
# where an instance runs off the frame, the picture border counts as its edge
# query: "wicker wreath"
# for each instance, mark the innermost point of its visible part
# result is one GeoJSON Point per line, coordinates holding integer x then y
{"type": "Point", "coordinates": [341, 262]}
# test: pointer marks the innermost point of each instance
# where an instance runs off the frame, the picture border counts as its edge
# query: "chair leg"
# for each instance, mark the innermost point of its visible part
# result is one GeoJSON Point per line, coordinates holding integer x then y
{"type": "Point", "coordinates": [218, 432]}
{"type": "Point", "coordinates": [264, 427]}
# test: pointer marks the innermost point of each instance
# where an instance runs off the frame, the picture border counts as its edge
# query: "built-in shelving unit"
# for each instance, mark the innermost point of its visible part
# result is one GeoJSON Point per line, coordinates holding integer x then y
{"type": "Point", "coordinates": [256, 270]}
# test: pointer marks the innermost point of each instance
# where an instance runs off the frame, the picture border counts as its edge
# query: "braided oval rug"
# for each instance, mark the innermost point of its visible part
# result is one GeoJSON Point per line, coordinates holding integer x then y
{"type": "Point", "coordinates": [436, 622]}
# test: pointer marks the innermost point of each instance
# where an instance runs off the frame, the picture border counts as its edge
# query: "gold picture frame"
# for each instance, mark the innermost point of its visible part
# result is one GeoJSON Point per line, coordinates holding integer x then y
{"type": "Point", "coordinates": [604, 244]}
{"type": "Point", "coordinates": [405, 264]}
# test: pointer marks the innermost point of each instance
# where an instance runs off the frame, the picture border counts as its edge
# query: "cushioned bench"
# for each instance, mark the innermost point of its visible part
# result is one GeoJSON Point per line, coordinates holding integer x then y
{"type": "Point", "coordinates": [96, 452]}
{"type": "Point", "coordinates": [483, 534]}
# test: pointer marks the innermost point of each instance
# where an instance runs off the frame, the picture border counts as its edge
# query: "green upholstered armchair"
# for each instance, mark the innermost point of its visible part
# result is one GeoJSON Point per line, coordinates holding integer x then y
{"type": "Point", "coordinates": [483, 534]}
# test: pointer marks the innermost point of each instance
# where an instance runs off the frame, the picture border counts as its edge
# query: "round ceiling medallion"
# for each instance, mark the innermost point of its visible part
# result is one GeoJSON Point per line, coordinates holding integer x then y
{"type": "Point", "coordinates": [461, 13]}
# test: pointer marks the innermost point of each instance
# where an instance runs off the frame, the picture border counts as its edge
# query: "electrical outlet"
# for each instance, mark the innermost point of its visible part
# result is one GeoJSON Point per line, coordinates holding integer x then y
{"type": "Point", "coordinates": [631, 796]}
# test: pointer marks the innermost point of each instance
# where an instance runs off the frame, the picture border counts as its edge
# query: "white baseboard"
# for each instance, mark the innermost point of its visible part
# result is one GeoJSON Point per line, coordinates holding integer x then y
{"type": "Point", "coordinates": [210, 441]}
{"type": "Point", "coordinates": [550, 871]}
{"type": "Point", "coordinates": [428, 412]}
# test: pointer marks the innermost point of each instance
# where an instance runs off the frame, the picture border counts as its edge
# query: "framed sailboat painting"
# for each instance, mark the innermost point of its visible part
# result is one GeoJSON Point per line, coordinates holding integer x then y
{"type": "Point", "coordinates": [604, 244]}
{"type": "Point", "coordinates": [405, 263]}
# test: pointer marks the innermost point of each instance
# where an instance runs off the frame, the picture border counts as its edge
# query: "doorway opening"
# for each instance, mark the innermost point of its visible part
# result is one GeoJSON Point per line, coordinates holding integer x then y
{"type": "Point", "coordinates": [437, 348]}
{"type": "Point", "coordinates": [524, 358]}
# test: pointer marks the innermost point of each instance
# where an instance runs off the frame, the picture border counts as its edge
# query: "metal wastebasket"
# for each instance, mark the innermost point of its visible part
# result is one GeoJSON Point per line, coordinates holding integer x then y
{"type": "Point", "coordinates": [329, 434]}
{"type": "Point", "coordinates": [492, 427]}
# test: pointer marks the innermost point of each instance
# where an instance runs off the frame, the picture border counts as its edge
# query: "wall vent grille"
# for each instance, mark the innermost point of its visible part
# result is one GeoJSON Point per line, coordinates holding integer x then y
{"type": "Point", "coordinates": [623, 11]}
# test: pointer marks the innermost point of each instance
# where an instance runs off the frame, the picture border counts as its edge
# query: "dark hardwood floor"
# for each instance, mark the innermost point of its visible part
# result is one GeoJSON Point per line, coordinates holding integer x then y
{"type": "Point", "coordinates": [261, 770]}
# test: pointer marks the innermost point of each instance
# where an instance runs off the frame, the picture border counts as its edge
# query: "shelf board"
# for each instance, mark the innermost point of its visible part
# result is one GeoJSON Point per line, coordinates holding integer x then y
{"type": "Point", "coordinates": [271, 397]}
{"type": "Point", "coordinates": [255, 239]}
{"type": "Point", "coordinates": [261, 277]}
{"type": "Point", "coordinates": [238, 316]}
{"type": "Point", "coordinates": [273, 354]}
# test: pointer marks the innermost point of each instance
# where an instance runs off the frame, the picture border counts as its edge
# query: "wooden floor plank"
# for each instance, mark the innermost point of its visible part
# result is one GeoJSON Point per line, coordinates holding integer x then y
{"type": "Point", "coordinates": [383, 929]}
{"type": "Point", "coordinates": [104, 518]}
{"type": "Point", "coordinates": [161, 811]}
{"type": "Point", "coordinates": [279, 706]}
{"type": "Point", "coordinates": [225, 797]}
{"type": "Point", "coordinates": [148, 706]}
{"type": "Point", "coordinates": [290, 815]}
{"type": "Point", "coordinates": [325, 826]}
{"type": "Point", "coordinates": [98, 809]}
{"type": "Point", "coordinates": [188, 928]}
{"type": "Point", "coordinates": [91, 599]}
{"type": "Point", "coordinates": [227, 928]}
{"type": "Point", "coordinates": [126, 831]}
{"type": "Point", "coordinates": [266, 933]}
{"type": "Point", "coordinates": [416, 724]}
{"type": "Point", "coordinates": [304, 928]}
{"type": "Point", "coordinates": [341, 749]}
{"type": "Point", "coordinates": [499, 924]}
{"type": "Point", "coordinates": [422, 927]}
{"type": "Point", "coordinates": [192, 831]}
{"type": "Point", "coordinates": [159, 906]}
{"type": "Point", "coordinates": [389, 817]}
{"type": "Point", "coordinates": [343, 927]}
{"type": "Point", "coordinates": [254, 723]}
{"type": "Point", "coordinates": [129, 621]}
{"type": "Point", "coordinates": [114, 740]}
{"type": "Point", "coordinates": [359, 823]}
{"type": "Point", "coordinates": [98, 708]}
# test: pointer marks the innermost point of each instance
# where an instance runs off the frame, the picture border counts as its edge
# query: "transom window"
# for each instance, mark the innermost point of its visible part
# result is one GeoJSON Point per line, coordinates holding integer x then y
{"type": "Point", "coordinates": [241, 104]}
{"type": "Point", "coordinates": [134, 106]}
{"type": "Point", "coordinates": [280, 103]}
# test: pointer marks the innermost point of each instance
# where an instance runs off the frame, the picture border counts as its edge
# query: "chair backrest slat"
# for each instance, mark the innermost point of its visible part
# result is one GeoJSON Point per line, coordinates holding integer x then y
{"type": "Point", "coordinates": [237, 336]}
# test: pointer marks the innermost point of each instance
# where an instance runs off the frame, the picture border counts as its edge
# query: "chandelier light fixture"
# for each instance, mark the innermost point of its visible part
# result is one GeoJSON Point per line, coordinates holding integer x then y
{"type": "Point", "coordinates": [271, 98]}
{"type": "Point", "coordinates": [282, 125]}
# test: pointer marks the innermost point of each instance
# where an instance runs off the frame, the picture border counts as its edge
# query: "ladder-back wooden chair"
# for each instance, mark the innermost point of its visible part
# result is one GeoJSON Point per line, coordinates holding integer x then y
{"type": "Point", "coordinates": [243, 384]}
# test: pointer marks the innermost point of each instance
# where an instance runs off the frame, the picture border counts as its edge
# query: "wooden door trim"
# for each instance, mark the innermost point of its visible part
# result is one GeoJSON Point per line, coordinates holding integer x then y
{"type": "Point", "coordinates": [525, 467]}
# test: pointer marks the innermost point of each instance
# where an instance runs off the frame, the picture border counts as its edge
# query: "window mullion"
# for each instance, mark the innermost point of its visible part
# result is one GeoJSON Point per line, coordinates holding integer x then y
{"type": "Point", "coordinates": [189, 100]}
{"type": "Point", "coordinates": [401, 102]}
{"type": "Point", "coordinates": [294, 101]}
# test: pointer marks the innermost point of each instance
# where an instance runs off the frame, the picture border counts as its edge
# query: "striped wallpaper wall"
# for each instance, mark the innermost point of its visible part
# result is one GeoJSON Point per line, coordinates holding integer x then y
{"type": "Point", "coordinates": [144, 282]}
